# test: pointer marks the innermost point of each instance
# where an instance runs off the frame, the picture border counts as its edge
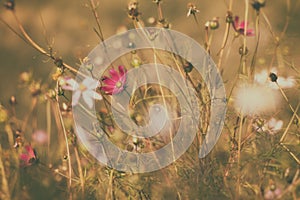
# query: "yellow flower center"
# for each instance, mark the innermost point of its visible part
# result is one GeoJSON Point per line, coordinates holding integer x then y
{"type": "Point", "coordinates": [82, 87]}
{"type": "Point", "coordinates": [118, 84]}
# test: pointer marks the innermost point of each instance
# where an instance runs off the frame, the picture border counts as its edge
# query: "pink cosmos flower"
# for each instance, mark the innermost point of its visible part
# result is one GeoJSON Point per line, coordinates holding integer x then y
{"type": "Point", "coordinates": [28, 157]}
{"type": "Point", "coordinates": [115, 84]}
{"type": "Point", "coordinates": [85, 89]}
{"type": "Point", "coordinates": [240, 27]}
{"type": "Point", "coordinates": [272, 194]}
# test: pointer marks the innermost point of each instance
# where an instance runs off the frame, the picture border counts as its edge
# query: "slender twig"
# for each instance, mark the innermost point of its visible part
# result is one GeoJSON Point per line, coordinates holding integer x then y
{"type": "Point", "coordinates": [66, 139]}
{"type": "Point", "coordinates": [290, 123]}
{"type": "Point", "coordinates": [99, 31]}
{"type": "Point", "coordinates": [225, 37]}
{"type": "Point", "coordinates": [109, 192]}
{"type": "Point", "coordinates": [287, 101]}
{"type": "Point", "coordinates": [25, 37]}
{"type": "Point", "coordinates": [79, 169]}
{"type": "Point", "coordinates": [238, 185]}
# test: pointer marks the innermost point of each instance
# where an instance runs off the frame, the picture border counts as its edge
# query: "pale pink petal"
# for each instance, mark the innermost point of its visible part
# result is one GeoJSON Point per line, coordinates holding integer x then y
{"type": "Point", "coordinates": [67, 87]}
{"type": "Point", "coordinates": [88, 98]}
{"type": "Point", "coordinates": [278, 125]}
{"type": "Point", "coordinates": [286, 82]}
{"type": "Point", "coordinates": [272, 122]}
{"type": "Point", "coordinates": [75, 97]}
{"type": "Point", "coordinates": [90, 83]}
{"type": "Point", "coordinates": [72, 83]}
{"type": "Point", "coordinates": [123, 79]}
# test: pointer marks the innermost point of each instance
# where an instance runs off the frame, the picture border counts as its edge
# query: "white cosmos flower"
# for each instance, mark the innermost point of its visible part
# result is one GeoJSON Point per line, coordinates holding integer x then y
{"type": "Point", "coordinates": [271, 127]}
{"type": "Point", "coordinates": [86, 89]}
{"type": "Point", "coordinates": [262, 78]}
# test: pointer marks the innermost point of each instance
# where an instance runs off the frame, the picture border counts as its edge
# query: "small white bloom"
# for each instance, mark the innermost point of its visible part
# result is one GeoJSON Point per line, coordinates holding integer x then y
{"type": "Point", "coordinates": [85, 89]}
{"type": "Point", "coordinates": [272, 126]}
{"type": "Point", "coordinates": [262, 78]}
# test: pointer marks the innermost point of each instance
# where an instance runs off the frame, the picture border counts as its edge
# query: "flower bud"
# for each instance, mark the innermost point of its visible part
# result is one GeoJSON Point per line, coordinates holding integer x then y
{"type": "Point", "coordinates": [273, 77]}
{"type": "Point", "coordinates": [241, 51]}
{"type": "Point", "coordinates": [25, 77]}
{"type": "Point", "coordinates": [59, 62]}
{"type": "Point", "coordinates": [188, 67]}
{"type": "Point", "coordinates": [9, 5]}
{"type": "Point", "coordinates": [214, 23]}
{"type": "Point", "coordinates": [13, 100]}
{"type": "Point", "coordinates": [136, 62]}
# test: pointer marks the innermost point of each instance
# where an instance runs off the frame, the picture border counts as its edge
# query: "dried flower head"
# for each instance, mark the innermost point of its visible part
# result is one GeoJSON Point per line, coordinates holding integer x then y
{"type": "Point", "coordinates": [133, 12]}
{"type": "Point", "coordinates": [192, 9]}
{"type": "Point", "coordinates": [258, 4]}
{"type": "Point", "coordinates": [157, 1]}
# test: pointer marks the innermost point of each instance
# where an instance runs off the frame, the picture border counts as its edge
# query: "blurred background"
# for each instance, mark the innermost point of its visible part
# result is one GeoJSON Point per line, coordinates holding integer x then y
{"type": "Point", "coordinates": [70, 25]}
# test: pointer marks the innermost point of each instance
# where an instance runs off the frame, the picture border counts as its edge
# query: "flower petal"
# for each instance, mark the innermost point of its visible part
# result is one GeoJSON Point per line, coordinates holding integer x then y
{"type": "Point", "coordinates": [236, 22]}
{"type": "Point", "coordinates": [122, 70]}
{"type": "Point", "coordinates": [114, 74]}
{"type": "Point", "coordinates": [71, 82]}
{"type": "Point", "coordinates": [97, 96]}
{"type": "Point", "coordinates": [90, 83]}
{"type": "Point", "coordinates": [109, 81]}
{"type": "Point", "coordinates": [24, 157]}
{"type": "Point", "coordinates": [87, 97]}
{"type": "Point", "coordinates": [242, 25]}
{"type": "Point", "coordinates": [278, 125]}
{"type": "Point", "coordinates": [75, 97]}
{"type": "Point", "coordinates": [107, 89]}
{"type": "Point", "coordinates": [250, 32]}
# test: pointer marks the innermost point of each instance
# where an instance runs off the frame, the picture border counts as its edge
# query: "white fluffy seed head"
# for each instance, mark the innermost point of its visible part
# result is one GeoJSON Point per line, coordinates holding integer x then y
{"type": "Point", "coordinates": [253, 99]}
